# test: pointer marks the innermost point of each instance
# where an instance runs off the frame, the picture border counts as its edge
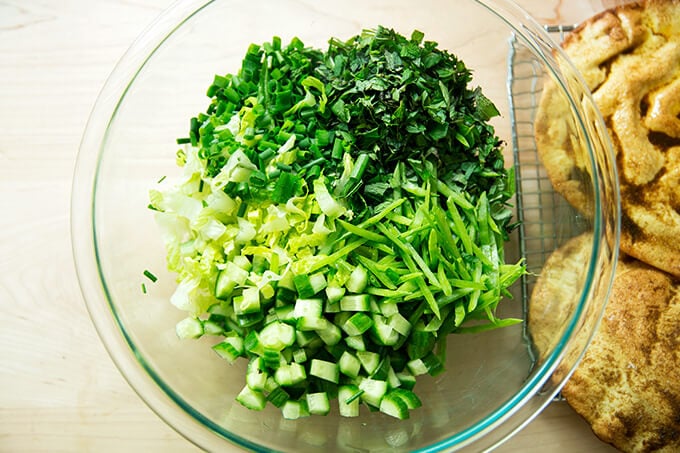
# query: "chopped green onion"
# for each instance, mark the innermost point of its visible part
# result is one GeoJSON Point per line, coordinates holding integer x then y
{"type": "Point", "coordinates": [150, 276]}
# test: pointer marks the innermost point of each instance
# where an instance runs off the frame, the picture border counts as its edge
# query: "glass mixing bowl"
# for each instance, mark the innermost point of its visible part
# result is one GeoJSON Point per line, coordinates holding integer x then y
{"type": "Point", "coordinates": [495, 383]}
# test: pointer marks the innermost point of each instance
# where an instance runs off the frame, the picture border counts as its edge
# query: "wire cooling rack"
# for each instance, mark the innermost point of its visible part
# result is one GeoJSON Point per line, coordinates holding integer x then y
{"type": "Point", "coordinates": [540, 210]}
{"type": "Point", "coordinates": [545, 218]}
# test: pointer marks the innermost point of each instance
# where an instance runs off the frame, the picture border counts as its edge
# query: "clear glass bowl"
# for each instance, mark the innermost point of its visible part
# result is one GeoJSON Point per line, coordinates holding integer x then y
{"type": "Point", "coordinates": [495, 383]}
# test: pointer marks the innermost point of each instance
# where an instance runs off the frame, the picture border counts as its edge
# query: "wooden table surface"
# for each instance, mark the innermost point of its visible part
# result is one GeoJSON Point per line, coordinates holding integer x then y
{"type": "Point", "coordinates": [59, 390]}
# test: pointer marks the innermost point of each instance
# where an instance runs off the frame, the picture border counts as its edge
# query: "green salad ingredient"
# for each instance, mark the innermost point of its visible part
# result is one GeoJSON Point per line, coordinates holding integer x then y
{"type": "Point", "coordinates": [341, 212]}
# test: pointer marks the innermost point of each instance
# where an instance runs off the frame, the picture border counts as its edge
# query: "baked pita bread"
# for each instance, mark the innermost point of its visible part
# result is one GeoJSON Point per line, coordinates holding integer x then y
{"type": "Point", "coordinates": [630, 58]}
{"type": "Point", "coordinates": [627, 385]}
{"type": "Point", "coordinates": [554, 299]}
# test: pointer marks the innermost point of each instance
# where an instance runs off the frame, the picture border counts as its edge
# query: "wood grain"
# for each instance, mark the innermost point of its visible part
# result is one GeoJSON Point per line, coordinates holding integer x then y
{"type": "Point", "coordinates": [59, 389]}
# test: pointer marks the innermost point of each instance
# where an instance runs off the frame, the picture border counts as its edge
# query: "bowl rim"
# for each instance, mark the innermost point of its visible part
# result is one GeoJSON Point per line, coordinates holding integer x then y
{"type": "Point", "coordinates": [121, 347]}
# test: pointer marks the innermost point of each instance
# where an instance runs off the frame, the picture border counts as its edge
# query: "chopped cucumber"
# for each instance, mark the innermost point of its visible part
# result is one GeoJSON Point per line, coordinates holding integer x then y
{"type": "Point", "coordinates": [407, 379]}
{"type": "Point", "coordinates": [357, 324]}
{"type": "Point", "coordinates": [349, 364]}
{"type": "Point", "coordinates": [358, 280]}
{"type": "Point", "coordinates": [369, 360]}
{"type": "Point", "coordinates": [289, 374]}
{"type": "Point", "coordinates": [299, 355]}
{"type": "Point", "coordinates": [411, 399]}
{"type": "Point", "coordinates": [256, 377]}
{"type": "Point", "coordinates": [309, 285]}
{"type": "Point", "coordinates": [374, 390]}
{"type": "Point", "coordinates": [394, 406]}
{"type": "Point", "coordinates": [231, 348]}
{"type": "Point", "coordinates": [292, 410]}
{"type": "Point", "coordinates": [228, 279]}
{"type": "Point", "coordinates": [330, 334]}
{"type": "Point", "coordinates": [308, 308]}
{"type": "Point", "coordinates": [278, 396]}
{"type": "Point", "coordinates": [325, 370]}
{"type": "Point", "coordinates": [383, 332]}
{"type": "Point", "coordinates": [248, 302]}
{"type": "Point", "coordinates": [400, 324]}
{"type": "Point", "coordinates": [356, 302]}
{"type": "Point", "coordinates": [189, 328]}
{"type": "Point", "coordinates": [417, 367]}
{"type": "Point", "coordinates": [348, 400]}
{"type": "Point", "coordinates": [334, 294]}
{"type": "Point", "coordinates": [252, 399]}
{"type": "Point", "coordinates": [356, 342]}
{"type": "Point", "coordinates": [277, 336]}
{"type": "Point", "coordinates": [318, 403]}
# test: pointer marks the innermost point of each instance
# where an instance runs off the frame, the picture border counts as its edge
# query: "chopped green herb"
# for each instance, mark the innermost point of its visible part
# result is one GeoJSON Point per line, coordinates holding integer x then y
{"type": "Point", "coordinates": [150, 276]}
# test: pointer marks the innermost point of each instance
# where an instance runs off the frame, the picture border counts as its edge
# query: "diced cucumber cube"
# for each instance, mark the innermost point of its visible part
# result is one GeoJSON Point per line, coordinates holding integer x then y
{"type": "Point", "coordinates": [309, 285]}
{"type": "Point", "coordinates": [305, 337]}
{"type": "Point", "coordinates": [394, 406]}
{"type": "Point", "coordinates": [310, 323]}
{"type": "Point", "coordinates": [384, 334]}
{"type": "Point", "coordinates": [334, 293]}
{"type": "Point", "coordinates": [277, 335]}
{"type": "Point", "coordinates": [348, 401]}
{"type": "Point", "coordinates": [374, 390]}
{"type": "Point", "coordinates": [330, 334]}
{"type": "Point", "coordinates": [357, 324]}
{"type": "Point", "coordinates": [356, 302]}
{"type": "Point", "coordinates": [318, 403]}
{"type": "Point", "coordinates": [278, 396]}
{"type": "Point", "coordinates": [308, 308]}
{"type": "Point", "coordinates": [299, 355]}
{"type": "Point", "coordinates": [358, 280]}
{"type": "Point", "coordinates": [349, 364]}
{"type": "Point", "coordinates": [411, 399]}
{"type": "Point", "coordinates": [212, 328]}
{"type": "Point", "coordinates": [388, 309]}
{"type": "Point", "coordinates": [228, 279]}
{"type": "Point", "coordinates": [325, 370]}
{"type": "Point", "coordinates": [356, 342]}
{"type": "Point", "coordinates": [417, 367]}
{"type": "Point", "coordinates": [256, 377]}
{"type": "Point", "coordinates": [407, 379]}
{"type": "Point", "coordinates": [292, 410]}
{"type": "Point", "coordinates": [252, 399]}
{"type": "Point", "coordinates": [290, 374]}
{"type": "Point", "coordinates": [189, 328]}
{"type": "Point", "coordinates": [231, 348]}
{"type": "Point", "coordinates": [369, 360]}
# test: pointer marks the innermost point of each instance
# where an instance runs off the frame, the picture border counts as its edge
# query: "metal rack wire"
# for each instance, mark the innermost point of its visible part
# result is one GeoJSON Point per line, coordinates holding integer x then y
{"type": "Point", "coordinates": [536, 200]}
{"type": "Point", "coordinates": [545, 218]}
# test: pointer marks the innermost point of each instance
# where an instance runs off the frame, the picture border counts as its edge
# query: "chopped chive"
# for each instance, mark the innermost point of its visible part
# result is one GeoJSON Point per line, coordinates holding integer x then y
{"type": "Point", "coordinates": [150, 276]}
{"type": "Point", "coordinates": [354, 396]}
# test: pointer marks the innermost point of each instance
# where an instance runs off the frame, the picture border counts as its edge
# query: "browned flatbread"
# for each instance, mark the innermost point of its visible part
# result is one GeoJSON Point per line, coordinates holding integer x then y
{"type": "Point", "coordinates": [555, 297]}
{"type": "Point", "coordinates": [630, 58]}
{"type": "Point", "coordinates": [628, 384]}
{"type": "Point", "coordinates": [556, 294]}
